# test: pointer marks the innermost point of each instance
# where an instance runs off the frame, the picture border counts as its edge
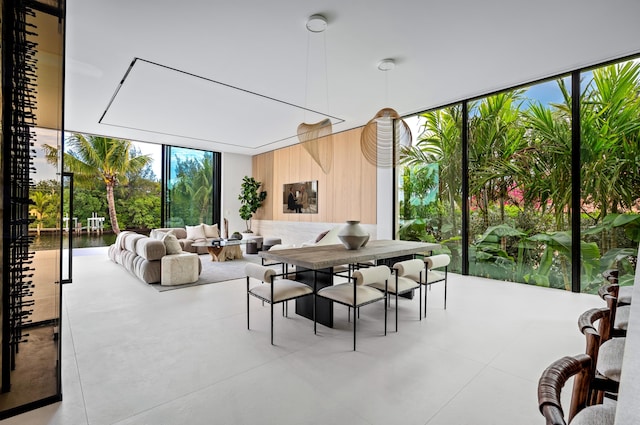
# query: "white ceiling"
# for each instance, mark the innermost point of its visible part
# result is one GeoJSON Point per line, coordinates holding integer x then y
{"type": "Point", "coordinates": [241, 76]}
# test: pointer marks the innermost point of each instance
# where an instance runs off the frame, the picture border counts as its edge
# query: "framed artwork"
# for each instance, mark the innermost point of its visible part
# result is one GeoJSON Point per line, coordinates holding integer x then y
{"type": "Point", "coordinates": [300, 197]}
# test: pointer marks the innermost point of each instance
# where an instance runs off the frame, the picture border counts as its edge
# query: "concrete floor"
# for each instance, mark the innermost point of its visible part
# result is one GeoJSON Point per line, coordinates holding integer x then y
{"type": "Point", "coordinates": [133, 355]}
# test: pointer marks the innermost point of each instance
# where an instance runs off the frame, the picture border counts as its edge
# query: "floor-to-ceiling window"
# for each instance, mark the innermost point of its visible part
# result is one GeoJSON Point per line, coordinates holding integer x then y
{"type": "Point", "coordinates": [520, 185]}
{"type": "Point", "coordinates": [430, 182]}
{"type": "Point", "coordinates": [610, 157]}
{"type": "Point", "coordinates": [191, 187]}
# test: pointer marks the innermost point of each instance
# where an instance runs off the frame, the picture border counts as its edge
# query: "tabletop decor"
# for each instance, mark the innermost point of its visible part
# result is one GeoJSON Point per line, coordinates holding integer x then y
{"type": "Point", "coordinates": [353, 236]}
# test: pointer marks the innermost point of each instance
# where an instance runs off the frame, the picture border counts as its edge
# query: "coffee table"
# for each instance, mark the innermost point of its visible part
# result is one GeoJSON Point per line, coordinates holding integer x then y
{"type": "Point", "coordinates": [222, 249]}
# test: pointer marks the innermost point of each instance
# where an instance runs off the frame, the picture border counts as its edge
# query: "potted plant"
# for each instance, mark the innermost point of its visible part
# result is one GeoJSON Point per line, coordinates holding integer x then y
{"type": "Point", "coordinates": [250, 199]}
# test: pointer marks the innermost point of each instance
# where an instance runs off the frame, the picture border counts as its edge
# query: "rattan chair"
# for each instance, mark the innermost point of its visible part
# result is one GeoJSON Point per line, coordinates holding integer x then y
{"type": "Point", "coordinates": [404, 282]}
{"type": "Point", "coordinates": [606, 352]}
{"type": "Point", "coordinates": [358, 292]}
{"type": "Point", "coordinates": [549, 394]}
{"type": "Point", "coordinates": [276, 291]}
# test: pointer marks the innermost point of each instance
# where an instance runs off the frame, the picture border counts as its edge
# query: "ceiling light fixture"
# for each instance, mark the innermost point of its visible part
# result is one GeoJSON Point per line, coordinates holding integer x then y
{"type": "Point", "coordinates": [386, 65]}
{"type": "Point", "coordinates": [383, 135]}
{"type": "Point", "coordinates": [317, 23]}
{"type": "Point", "coordinates": [317, 138]}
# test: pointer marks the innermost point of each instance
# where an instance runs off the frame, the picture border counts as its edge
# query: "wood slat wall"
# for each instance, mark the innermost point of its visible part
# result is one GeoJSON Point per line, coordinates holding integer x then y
{"type": "Point", "coordinates": [347, 192]}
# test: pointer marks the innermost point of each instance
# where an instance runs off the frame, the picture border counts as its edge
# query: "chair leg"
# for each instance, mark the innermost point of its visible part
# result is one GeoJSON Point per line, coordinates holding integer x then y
{"type": "Point", "coordinates": [271, 323]}
{"type": "Point", "coordinates": [396, 310]}
{"type": "Point", "coordinates": [247, 302]}
{"type": "Point", "coordinates": [446, 275]}
{"type": "Point", "coordinates": [385, 313]}
{"type": "Point", "coordinates": [314, 311]}
{"type": "Point", "coordinates": [425, 300]}
{"type": "Point", "coordinates": [420, 303]}
{"type": "Point", "coordinates": [354, 330]}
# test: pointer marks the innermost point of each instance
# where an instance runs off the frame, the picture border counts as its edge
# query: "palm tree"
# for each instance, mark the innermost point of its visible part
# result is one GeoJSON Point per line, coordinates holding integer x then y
{"type": "Point", "coordinates": [545, 163]}
{"type": "Point", "coordinates": [495, 139]}
{"type": "Point", "coordinates": [40, 201]}
{"type": "Point", "coordinates": [195, 183]}
{"type": "Point", "coordinates": [440, 142]}
{"type": "Point", "coordinates": [95, 158]}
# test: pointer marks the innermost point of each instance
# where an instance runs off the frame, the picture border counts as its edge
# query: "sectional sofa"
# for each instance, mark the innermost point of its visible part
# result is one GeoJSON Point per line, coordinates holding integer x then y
{"type": "Point", "coordinates": [158, 259]}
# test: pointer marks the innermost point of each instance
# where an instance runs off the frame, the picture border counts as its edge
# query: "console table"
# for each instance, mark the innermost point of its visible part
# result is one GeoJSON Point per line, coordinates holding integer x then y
{"type": "Point", "coordinates": [315, 264]}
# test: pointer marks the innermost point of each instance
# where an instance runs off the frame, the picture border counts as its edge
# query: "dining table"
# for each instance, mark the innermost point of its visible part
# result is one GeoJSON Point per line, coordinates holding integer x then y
{"type": "Point", "coordinates": [316, 266]}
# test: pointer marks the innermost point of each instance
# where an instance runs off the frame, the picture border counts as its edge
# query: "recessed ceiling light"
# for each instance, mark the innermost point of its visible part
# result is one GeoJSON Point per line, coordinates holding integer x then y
{"type": "Point", "coordinates": [386, 65]}
{"type": "Point", "coordinates": [317, 23]}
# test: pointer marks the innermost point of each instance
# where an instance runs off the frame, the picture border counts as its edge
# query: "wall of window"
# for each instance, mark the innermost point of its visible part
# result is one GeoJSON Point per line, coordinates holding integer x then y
{"type": "Point", "coordinates": [191, 187]}
{"type": "Point", "coordinates": [512, 157]}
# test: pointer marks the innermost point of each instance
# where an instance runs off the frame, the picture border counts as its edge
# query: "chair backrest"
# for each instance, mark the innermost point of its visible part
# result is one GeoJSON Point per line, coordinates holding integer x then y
{"type": "Point", "coordinates": [371, 275]}
{"type": "Point", "coordinates": [553, 379]}
{"type": "Point", "coordinates": [437, 261]}
{"type": "Point", "coordinates": [611, 289]}
{"type": "Point", "coordinates": [609, 293]}
{"type": "Point", "coordinates": [594, 337]}
{"type": "Point", "coordinates": [409, 267]}
{"type": "Point", "coordinates": [259, 272]}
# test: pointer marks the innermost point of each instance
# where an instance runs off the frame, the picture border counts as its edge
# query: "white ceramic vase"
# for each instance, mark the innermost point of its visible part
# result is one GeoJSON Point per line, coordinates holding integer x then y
{"type": "Point", "coordinates": [353, 236]}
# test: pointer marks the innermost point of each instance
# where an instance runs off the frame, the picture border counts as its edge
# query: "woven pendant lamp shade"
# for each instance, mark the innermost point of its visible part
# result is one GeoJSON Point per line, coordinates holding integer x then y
{"type": "Point", "coordinates": [318, 141]}
{"type": "Point", "coordinates": [377, 142]}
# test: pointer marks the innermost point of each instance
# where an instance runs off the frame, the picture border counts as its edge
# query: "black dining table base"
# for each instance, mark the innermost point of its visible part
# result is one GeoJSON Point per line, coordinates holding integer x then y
{"type": "Point", "coordinates": [304, 305]}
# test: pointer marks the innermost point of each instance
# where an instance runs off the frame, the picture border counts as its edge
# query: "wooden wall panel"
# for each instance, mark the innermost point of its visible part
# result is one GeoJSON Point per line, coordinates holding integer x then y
{"type": "Point", "coordinates": [262, 166]}
{"type": "Point", "coordinates": [369, 185]}
{"type": "Point", "coordinates": [347, 192]}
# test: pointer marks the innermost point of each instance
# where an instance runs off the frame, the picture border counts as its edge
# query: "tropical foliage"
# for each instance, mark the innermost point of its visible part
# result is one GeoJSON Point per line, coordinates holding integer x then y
{"type": "Point", "coordinates": [97, 162]}
{"type": "Point", "coordinates": [190, 191]}
{"type": "Point", "coordinates": [520, 182]}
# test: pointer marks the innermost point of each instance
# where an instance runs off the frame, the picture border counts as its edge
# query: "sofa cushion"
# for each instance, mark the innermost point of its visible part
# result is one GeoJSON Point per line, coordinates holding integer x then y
{"type": "Point", "coordinates": [150, 249]}
{"type": "Point", "coordinates": [179, 232]}
{"type": "Point", "coordinates": [195, 232]}
{"type": "Point", "coordinates": [171, 244]}
{"type": "Point", "coordinates": [131, 239]}
{"type": "Point", "coordinates": [119, 243]}
{"type": "Point", "coordinates": [159, 234]}
{"type": "Point", "coordinates": [146, 271]}
{"type": "Point", "coordinates": [211, 231]}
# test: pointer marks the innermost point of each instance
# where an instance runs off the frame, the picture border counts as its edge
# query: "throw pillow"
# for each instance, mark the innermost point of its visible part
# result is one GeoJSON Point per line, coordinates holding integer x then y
{"type": "Point", "coordinates": [171, 244]}
{"type": "Point", "coordinates": [160, 234]}
{"type": "Point", "coordinates": [321, 235]}
{"type": "Point", "coordinates": [211, 231]}
{"type": "Point", "coordinates": [195, 232]}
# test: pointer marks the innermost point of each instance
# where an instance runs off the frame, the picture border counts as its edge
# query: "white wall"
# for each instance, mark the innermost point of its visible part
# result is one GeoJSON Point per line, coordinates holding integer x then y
{"type": "Point", "coordinates": [234, 168]}
{"type": "Point", "coordinates": [384, 203]}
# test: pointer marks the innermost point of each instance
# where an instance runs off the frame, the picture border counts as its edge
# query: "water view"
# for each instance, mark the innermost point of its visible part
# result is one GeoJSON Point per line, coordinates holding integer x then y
{"type": "Point", "coordinates": [51, 241]}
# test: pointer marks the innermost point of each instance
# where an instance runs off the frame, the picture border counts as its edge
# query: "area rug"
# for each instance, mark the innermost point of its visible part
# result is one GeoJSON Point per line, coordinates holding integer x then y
{"type": "Point", "coordinates": [215, 271]}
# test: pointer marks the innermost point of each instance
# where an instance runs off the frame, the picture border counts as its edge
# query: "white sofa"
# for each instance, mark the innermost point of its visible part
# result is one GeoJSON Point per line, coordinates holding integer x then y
{"type": "Point", "coordinates": [188, 235]}
{"type": "Point", "coordinates": [147, 259]}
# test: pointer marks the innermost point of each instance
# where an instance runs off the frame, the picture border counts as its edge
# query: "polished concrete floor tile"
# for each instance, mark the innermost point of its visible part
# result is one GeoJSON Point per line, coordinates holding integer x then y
{"type": "Point", "coordinates": [133, 355]}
